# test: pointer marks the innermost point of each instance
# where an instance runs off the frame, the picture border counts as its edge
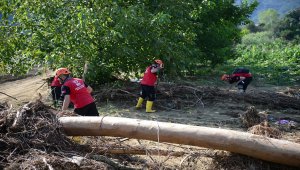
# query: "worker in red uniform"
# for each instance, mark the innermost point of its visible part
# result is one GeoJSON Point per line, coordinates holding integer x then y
{"type": "Point", "coordinates": [78, 92]}
{"type": "Point", "coordinates": [241, 76]}
{"type": "Point", "coordinates": [147, 84]}
{"type": "Point", "coordinates": [56, 91]}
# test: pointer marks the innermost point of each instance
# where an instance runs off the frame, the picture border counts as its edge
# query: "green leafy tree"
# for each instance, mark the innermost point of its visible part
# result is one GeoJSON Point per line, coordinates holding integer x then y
{"type": "Point", "coordinates": [218, 29]}
{"type": "Point", "coordinates": [118, 37]}
{"type": "Point", "coordinates": [274, 60]}
{"type": "Point", "coordinates": [269, 18]}
{"type": "Point", "coordinates": [253, 28]}
{"type": "Point", "coordinates": [289, 26]}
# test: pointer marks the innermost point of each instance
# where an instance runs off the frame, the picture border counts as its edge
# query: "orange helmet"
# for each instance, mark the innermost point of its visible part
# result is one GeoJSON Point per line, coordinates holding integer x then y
{"type": "Point", "coordinates": [225, 77]}
{"type": "Point", "coordinates": [161, 64]}
{"type": "Point", "coordinates": [61, 71]}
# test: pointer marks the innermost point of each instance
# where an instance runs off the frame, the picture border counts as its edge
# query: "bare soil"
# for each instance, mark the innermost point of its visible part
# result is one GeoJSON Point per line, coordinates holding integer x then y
{"type": "Point", "coordinates": [185, 103]}
{"type": "Point", "coordinates": [24, 90]}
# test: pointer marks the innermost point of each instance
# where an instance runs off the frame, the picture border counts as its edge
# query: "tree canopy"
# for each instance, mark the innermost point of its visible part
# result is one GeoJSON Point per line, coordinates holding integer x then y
{"type": "Point", "coordinates": [272, 52]}
{"type": "Point", "coordinates": [118, 37]}
{"type": "Point", "coordinates": [289, 26]}
{"type": "Point", "coordinates": [269, 18]}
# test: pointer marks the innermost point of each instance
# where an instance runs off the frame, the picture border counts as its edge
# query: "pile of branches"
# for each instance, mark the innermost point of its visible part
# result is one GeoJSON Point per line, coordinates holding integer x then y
{"type": "Point", "coordinates": [250, 117]}
{"type": "Point", "coordinates": [258, 124]}
{"type": "Point", "coordinates": [185, 95]}
{"type": "Point", "coordinates": [293, 92]}
{"type": "Point", "coordinates": [265, 129]}
{"type": "Point", "coordinates": [271, 99]}
{"type": "Point", "coordinates": [169, 95]}
{"type": "Point", "coordinates": [31, 139]}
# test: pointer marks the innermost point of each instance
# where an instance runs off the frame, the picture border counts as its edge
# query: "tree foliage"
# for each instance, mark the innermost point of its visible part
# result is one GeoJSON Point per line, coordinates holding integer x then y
{"type": "Point", "coordinates": [272, 59]}
{"type": "Point", "coordinates": [269, 18]}
{"type": "Point", "coordinates": [289, 26]}
{"type": "Point", "coordinates": [118, 37]}
{"type": "Point", "coordinates": [266, 51]}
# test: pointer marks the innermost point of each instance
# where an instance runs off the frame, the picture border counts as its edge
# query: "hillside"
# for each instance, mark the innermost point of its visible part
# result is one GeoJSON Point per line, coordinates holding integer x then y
{"type": "Point", "coordinates": [282, 6]}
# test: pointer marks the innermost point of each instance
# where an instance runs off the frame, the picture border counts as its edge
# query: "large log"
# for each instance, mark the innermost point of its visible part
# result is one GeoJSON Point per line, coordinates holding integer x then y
{"type": "Point", "coordinates": [269, 149]}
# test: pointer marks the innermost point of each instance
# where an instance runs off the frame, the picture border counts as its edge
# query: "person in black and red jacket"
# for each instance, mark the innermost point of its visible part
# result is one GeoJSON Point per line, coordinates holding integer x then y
{"type": "Point", "coordinates": [147, 84]}
{"type": "Point", "coordinates": [78, 92]}
{"type": "Point", "coordinates": [241, 76]}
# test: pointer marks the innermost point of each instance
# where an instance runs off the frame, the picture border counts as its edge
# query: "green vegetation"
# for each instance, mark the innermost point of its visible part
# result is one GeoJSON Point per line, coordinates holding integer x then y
{"type": "Point", "coordinates": [289, 27]}
{"type": "Point", "coordinates": [272, 52]}
{"type": "Point", "coordinates": [276, 61]}
{"type": "Point", "coordinates": [268, 18]}
{"type": "Point", "coordinates": [119, 37]}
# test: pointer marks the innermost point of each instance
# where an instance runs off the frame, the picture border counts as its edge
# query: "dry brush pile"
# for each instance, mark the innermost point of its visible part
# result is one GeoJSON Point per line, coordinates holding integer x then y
{"type": "Point", "coordinates": [31, 139]}
{"type": "Point", "coordinates": [172, 96]}
{"type": "Point", "coordinates": [258, 124]}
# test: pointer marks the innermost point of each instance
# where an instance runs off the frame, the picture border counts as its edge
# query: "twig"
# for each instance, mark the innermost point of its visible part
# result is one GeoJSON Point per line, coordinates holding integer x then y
{"type": "Point", "coordinates": [10, 155]}
{"type": "Point", "coordinates": [189, 156]}
{"type": "Point", "coordinates": [110, 162]}
{"type": "Point", "coordinates": [126, 92]}
{"type": "Point", "coordinates": [199, 99]}
{"type": "Point", "coordinates": [189, 87]}
{"type": "Point", "coordinates": [17, 119]}
{"type": "Point", "coordinates": [41, 85]}
{"type": "Point", "coordinates": [49, 166]}
{"type": "Point", "coordinates": [8, 95]}
{"type": "Point", "coordinates": [139, 151]}
{"type": "Point", "coordinates": [120, 141]}
{"type": "Point", "coordinates": [147, 151]}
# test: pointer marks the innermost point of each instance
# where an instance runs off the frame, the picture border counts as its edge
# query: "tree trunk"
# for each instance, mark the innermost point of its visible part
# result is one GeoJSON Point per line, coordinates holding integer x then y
{"type": "Point", "coordinates": [269, 149]}
{"type": "Point", "coordinates": [85, 69]}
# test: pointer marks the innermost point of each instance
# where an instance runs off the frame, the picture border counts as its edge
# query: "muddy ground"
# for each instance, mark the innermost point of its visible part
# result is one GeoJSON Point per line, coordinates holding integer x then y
{"type": "Point", "coordinates": [186, 103]}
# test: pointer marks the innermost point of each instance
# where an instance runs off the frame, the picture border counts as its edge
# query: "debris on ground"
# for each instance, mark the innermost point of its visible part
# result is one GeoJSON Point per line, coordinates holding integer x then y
{"type": "Point", "coordinates": [286, 124]}
{"type": "Point", "coordinates": [31, 138]}
{"type": "Point", "coordinates": [250, 117]}
{"type": "Point", "coordinates": [171, 96]}
{"type": "Point", "coordinates": [264, 129]}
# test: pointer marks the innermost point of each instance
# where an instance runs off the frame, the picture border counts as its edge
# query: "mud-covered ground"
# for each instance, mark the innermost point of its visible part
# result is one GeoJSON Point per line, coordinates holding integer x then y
{"type": "Point", "coordinates": [185, 103]}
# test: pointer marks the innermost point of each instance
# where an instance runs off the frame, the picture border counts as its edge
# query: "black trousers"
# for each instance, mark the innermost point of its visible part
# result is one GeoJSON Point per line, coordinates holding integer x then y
{"type": "Point", "coordinates": [56, 93]}
{"type": "Point", "coordinates": [244, 84]}
{"type": "Point", "coordinates": [148, 92]}
{"type": "Point", "coordinates": [88, 110]}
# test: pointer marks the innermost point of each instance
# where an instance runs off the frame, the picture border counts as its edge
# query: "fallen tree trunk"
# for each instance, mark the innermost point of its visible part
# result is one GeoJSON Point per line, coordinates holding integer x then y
{"type": "Point", "coordinates": [269, 149]}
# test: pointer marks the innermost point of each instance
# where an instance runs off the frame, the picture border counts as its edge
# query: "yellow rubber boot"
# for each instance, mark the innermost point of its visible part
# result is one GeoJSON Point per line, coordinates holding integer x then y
{"type": "Point", "coordinates": [78, 139]}
{"type": "Point", "coordinates": [149, 105]}
{"type": "Point", "coordinates": [139, 103]}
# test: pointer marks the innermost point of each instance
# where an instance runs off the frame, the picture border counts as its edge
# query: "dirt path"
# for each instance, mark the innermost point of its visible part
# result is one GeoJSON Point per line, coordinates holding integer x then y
{"type": "Point", "coordinates": [24, 90]}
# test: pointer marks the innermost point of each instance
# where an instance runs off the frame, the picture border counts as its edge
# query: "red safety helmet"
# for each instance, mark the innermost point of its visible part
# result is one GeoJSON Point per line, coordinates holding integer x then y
{"type": "Point", "coordinates": [61, 71]}
{"type": "Point", "coordinates": [225, 77]}
{"type": "Point", "coordinates": [161, 64]}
